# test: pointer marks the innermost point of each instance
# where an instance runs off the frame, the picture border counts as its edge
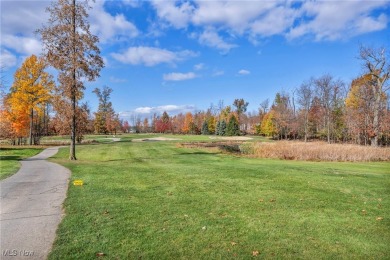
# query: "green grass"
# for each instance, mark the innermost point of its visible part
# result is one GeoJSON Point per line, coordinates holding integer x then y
{"type": "Point", "coordinates": [154, 200]}
{"type": "Point", "coordinates": [10, 157]}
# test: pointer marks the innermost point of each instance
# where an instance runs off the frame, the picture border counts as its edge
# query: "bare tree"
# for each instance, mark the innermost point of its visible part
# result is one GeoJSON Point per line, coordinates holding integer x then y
{"type": "Point", "coordinates": [305, 97]}
{"type": "Point", "coordinates": [328, 91]}
{"type": "Point", "coordinates": [376, 65]}
{"type": "Point", "coordinates": [241, 107]}
{"type": "Point", "coordinates": [71, 49]}
{"type": "Point", "coordinates": [264, 105]}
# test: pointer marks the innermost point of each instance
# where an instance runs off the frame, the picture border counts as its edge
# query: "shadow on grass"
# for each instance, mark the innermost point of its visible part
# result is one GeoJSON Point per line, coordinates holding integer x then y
{"type": "Point", "coordinates": [10, 158]}
{"type": "Point", "coordinates": [197, 153]}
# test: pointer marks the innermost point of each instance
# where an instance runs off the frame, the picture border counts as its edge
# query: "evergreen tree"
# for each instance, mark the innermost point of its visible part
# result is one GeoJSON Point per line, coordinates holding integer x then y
{"type": "Point", "coordinates": [232, 128]}
{"type": "Point", "coordinates": [218, 128]}
{"type": "Point", "coordinates": [222, 128]}
{"type": "Point", "coordinates": [205, 128]}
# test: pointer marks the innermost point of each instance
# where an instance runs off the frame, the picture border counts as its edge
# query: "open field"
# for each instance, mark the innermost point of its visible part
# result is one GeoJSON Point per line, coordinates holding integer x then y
{"type": "Point", "coordinates": [155, 200]}
{"type": "Point", "coordinates": [10, 157]}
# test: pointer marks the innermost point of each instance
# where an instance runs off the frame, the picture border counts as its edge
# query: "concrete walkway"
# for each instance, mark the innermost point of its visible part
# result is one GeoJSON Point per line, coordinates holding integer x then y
{"type": "Point", "coordinates": [31, 207]}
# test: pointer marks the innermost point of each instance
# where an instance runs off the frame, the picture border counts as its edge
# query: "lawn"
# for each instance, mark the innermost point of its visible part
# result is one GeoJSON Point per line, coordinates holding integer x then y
{"type": "Point", "coordinates": [10, 157]}
{"type": "Point", "coordinates": [154, 200]}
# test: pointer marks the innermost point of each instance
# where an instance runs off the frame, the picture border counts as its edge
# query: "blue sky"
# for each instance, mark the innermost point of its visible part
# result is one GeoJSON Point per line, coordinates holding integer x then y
{"type": "Point", "coordinates": [184, 55]}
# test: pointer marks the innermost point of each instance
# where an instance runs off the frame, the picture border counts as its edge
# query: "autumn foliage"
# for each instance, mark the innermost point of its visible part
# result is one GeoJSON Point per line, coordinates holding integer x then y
{"type": "Point", "coordinates": [28, 97]}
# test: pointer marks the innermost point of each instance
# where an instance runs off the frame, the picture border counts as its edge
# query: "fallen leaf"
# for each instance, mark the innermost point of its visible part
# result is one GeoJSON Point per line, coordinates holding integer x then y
{"type": "Point", "coordinates": [233, 243]}
{"type": "Point", "coordinates": [204, 228]}
{"type": "Point", "coordinates": [261, 200]}
{"type": "Point", "coordinates": [272, 200]}
{"type": "Point", "coordinates": [379, 218]}
{"type": "Point", "coordinates": [255, 253]}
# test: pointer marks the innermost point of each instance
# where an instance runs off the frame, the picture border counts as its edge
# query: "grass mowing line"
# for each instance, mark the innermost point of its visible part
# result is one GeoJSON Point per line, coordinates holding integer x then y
{"type": "Point", "coordinates": [154, 200]}
{"type": "Point", "coordinates": [10, 157]}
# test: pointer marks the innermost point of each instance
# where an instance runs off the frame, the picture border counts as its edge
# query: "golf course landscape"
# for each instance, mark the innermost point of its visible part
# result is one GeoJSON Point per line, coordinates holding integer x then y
{"type": "Point", "coordinates": [158, 200]}
{"type": "Point", "coordinates": [194, 129]}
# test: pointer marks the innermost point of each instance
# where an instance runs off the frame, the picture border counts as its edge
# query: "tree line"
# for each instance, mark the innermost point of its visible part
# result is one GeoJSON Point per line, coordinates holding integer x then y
{"type": "Point", "coordinates": [321, 108]}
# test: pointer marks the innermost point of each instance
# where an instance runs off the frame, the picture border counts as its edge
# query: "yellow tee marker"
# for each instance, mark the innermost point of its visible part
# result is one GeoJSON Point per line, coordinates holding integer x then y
{"type": "Point", "coordinates": [78, 183]}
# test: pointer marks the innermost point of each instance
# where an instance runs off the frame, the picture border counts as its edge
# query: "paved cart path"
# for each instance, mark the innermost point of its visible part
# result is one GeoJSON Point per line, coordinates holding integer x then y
{"type": "Point", "coordinates": [31, 207]}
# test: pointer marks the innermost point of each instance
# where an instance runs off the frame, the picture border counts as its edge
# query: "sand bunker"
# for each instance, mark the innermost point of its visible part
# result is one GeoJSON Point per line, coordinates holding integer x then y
{"type": "Point", "coordinates": [155, 139]}
{"type": "Point", "coordinates": [231, 138]}
{"type": "Point", "coordinates": [113, 139]}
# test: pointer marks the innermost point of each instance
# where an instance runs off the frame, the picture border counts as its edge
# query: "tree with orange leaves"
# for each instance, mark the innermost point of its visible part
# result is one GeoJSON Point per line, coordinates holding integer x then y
{"type": "Point", "coordinates": [30, 91]}
{"type": "Point", "coordinates": [189, 125]}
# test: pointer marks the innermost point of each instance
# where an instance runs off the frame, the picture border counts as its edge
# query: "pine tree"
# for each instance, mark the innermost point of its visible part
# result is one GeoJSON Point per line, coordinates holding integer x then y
{"type": "Point", "coordinates": [218, 128]}
{"type": "Point", "coordinates": [205, 128]}
{"type": "Point", "coordinates": [222, 128]}
{"type": "Point", "coordinates": [232, 128]}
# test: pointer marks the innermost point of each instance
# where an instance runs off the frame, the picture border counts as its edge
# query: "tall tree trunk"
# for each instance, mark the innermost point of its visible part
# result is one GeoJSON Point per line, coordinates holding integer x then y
{"type": "Point", "coordinates": [72, 154]}
{"type": "Point", "coordinates": [43, 129]}
{"type": "Point", "coordinates": [306, 125]}
{"type": "Point", "coordinates": [31, 126]}
{"type": "Point", "coordinates": [375, 123]}
{"type": "Point", "coordinates": [47, 120]}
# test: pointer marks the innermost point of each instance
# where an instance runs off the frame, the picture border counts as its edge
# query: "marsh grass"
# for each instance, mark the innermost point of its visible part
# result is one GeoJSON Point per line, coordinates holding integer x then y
{"type": "Point", "coordinates": [319, 151]}
{"type": "Point", "coordinates": [158, 201]}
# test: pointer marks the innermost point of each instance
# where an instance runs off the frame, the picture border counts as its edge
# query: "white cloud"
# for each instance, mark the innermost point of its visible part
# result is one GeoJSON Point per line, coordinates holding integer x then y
{"type": "Point", "coordinates": [244, 72]}
{"type": "Point", "coordinates": [150, 56]}
{"type": "Point", "coordinates": [177, 15]}
{"type": "Point", "coordinates": [369, 24]}
{"type": "Point", "coordinates": [170, 109]}
{"type": "Point", "coordinates": [233, 15]}
{"type": "Point", "coordinates": [117, 80]}
{"type": "Point", "coordinates": [276, 21]}
{"type": "Point", "coordinates": [143, 110]}
{"type": "Point", "coordinates": [218, 73]}
{"type": "Point", "coordinates": [199, 66]}
{"type": "Point", "coordinates": [132, 3]}
{"type": "Point", "coordinates": [19, 21]}
{"type": "Point", "coordinates": [109, 27]}
{"type": "Point", "coordinates": [211, 38]}
{"type": "Point", "coordinates": [179, 76]}
{"type": "Point", "coordinates": [22, 45]}
{"type": "Point", "coordinates": [22, 17]}
{"type": "Point", "coordinates": [338, 20]}
{"type": "Point", "coordinates": [324, 20]}
{"type": "Point", "coordinates": [7, 59]}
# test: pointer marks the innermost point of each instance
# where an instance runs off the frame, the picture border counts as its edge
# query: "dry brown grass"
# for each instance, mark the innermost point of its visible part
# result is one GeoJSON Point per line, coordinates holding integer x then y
{"type": "Point", "coordinates": [319, 151]}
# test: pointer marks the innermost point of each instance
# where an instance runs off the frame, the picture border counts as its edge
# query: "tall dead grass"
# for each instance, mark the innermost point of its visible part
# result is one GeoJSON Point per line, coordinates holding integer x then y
{"type": "Point", "coordinates": [319, 151]}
